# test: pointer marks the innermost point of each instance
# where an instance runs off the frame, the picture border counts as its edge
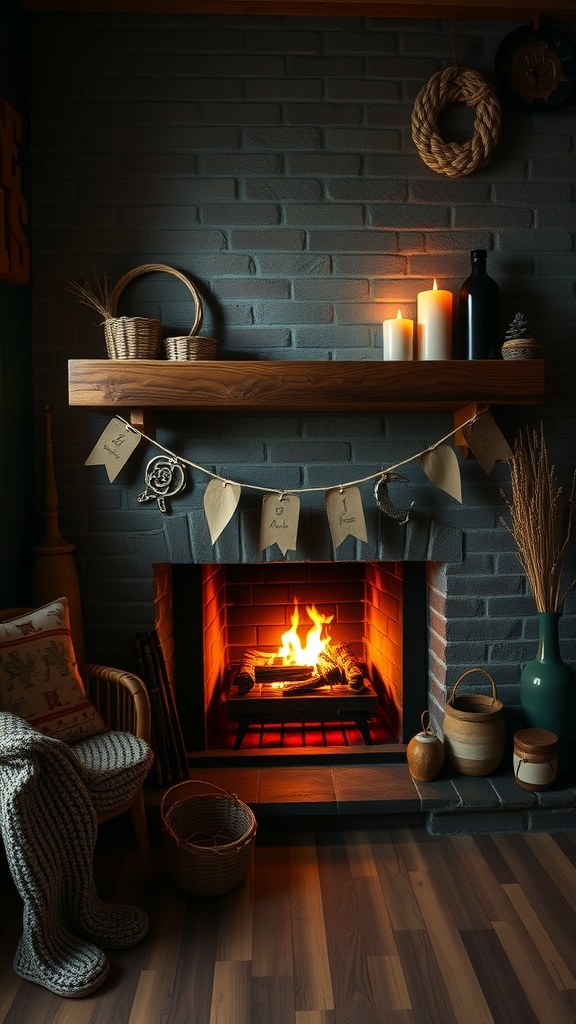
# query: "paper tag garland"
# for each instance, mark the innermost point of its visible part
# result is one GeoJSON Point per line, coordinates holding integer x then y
{"type": "Point", "coordinates": [279, 522]}
{"type": "Point", "coordinates": [487, 442]}
{"type": "Point", "coordinates": [345, 514]}
{"type": "Point", "coordinates": [166, 477]}
{"type": "Point", "coordinates": [113, 448]}
{"type": "Point", "coordinates": [442, 469]}
{"type": "Point", "coordinates": [220, 502]}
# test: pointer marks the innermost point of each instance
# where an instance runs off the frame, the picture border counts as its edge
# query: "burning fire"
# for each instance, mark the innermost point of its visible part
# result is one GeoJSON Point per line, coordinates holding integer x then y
{"type": "Point", "coordinates": [292, 652]}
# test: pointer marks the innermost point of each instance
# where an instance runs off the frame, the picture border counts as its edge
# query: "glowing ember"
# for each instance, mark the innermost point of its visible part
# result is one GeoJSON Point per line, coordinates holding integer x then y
{"type": "Point", "coordinates": [292, 652]}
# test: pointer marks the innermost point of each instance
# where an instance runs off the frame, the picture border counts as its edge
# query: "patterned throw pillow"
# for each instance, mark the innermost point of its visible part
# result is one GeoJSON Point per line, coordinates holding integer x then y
{"type": "Point", "coordinates": [39, 679]}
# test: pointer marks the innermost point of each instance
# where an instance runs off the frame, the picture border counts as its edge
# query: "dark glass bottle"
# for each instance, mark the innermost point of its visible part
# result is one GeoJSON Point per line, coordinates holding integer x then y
{"type": "Point", "coordinates": [479, 333]}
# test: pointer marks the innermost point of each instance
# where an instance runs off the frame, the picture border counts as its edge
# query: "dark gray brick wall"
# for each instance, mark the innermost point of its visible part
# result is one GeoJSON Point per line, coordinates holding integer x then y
{"type": "Point", "coordinates": [271, 158]}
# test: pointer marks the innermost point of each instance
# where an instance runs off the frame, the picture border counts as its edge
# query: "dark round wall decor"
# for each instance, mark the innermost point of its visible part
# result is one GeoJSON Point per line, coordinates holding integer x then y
{"type": "Point", "coordinates": [536, 68]}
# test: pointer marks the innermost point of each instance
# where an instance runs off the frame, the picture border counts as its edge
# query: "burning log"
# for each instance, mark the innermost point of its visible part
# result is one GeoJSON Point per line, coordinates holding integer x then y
{"type": "Point", "coordinates": [328, 667]}
{"type": "Point", "coordinates": [277, 673]}
{"type": "Point", "coordinates": [327, 672]}
{"type": "Point", "coordinates": [346, 660]}
{"type": "Point", "coordinates": [306, 686]}
{"type": "Point", "coordinates": [246, 675]}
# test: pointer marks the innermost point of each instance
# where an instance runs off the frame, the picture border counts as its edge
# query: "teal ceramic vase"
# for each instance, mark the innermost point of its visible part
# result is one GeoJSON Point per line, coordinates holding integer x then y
{"type": "Point", "coordinates": [548, 692]}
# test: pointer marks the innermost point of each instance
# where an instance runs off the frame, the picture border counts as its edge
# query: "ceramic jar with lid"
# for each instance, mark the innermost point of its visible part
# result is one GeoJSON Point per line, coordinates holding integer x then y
{"type": "Point", "coordinates": [425, 753]}
{"type": "Point", "coordinates": [535, 758]}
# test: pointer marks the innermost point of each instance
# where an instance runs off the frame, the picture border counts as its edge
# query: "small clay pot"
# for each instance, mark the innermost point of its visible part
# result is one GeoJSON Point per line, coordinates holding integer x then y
{"type": "Point", "coordinates": [425, 753]}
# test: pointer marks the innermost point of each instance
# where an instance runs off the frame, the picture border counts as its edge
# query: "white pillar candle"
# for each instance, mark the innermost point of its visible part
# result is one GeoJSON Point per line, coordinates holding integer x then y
{"type": "Point", "coordinates": [398, 338]}
{"type": "Point", "coordinates": [434, 324]}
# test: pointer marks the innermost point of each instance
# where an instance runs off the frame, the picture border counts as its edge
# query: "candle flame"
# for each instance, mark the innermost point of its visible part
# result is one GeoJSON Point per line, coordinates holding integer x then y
{"type": "Point", "coordinates": [292, 650]}
{"type": "Point", "coordinates": [399, 314]}
{"type": "Point", "coordinates": [435, 286]}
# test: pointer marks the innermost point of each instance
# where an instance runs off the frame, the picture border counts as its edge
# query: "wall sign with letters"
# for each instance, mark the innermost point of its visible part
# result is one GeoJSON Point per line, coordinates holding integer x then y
{"type": "Point", "coordinates": [14, 250]}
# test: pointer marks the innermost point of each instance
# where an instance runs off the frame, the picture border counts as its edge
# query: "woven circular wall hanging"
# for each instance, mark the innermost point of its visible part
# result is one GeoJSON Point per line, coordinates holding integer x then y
{"type": "Point", "coordinates": [456, 85]}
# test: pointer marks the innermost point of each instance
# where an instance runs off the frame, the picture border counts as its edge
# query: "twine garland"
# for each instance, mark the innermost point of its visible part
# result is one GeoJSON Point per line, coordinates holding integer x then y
{"type": "Point", "coordinates": [456, 85]}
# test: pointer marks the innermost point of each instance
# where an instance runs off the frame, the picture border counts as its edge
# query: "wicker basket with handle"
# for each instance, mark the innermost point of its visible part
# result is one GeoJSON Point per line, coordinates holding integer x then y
{"type": "Point", "coordinates": [208, 838]}
{"type": "Point", "coordinates": [191, 346]}
{"type": "Point", "coordinates": [474, 729]}
{"type": "Point", "coordinates": [137, 337]}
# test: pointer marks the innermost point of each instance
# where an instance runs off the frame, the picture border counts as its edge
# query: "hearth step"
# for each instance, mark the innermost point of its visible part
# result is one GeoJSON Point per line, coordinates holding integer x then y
{"type": "Point", "coordinates": [368, 795]}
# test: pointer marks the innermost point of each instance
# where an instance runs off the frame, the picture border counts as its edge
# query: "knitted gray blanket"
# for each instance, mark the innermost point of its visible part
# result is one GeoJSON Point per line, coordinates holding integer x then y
{"type": "Point", "coordinates": [48, 824]}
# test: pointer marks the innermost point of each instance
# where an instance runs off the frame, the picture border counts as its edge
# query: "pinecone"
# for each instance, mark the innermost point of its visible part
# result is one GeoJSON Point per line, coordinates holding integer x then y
{"type": "Point", "coordinates": [518, 327]}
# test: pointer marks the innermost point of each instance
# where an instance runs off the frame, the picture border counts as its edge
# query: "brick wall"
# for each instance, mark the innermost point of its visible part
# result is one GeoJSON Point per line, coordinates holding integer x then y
{"type": "Point", "coordinates": [271, 158]}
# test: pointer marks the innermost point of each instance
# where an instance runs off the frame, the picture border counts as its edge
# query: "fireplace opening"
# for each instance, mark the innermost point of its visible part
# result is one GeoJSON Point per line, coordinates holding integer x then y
{"type": "Point", "coordinates": [212, 616]}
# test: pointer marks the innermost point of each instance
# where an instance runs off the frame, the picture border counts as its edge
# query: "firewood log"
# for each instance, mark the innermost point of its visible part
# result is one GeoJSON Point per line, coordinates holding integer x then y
{"type": "Point", "coordinates": [351, 670]}
{"type": "Point", "coordinates": [277, 673]}
{"type": "Point", "coordinates": [246, 675]}
{"type": "Point", "coordinates": [306, 686]}
{"type": "Point", "coordinates": [328, 667]}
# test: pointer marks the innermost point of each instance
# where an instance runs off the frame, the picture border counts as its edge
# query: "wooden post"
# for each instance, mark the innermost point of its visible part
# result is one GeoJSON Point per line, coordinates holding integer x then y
{"type": "Point", "coordinates": [54, 568]}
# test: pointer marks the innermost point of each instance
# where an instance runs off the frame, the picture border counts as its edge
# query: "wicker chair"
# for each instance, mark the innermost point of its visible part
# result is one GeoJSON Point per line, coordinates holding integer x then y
{"type": "Point", "coordinates": [122, 700]}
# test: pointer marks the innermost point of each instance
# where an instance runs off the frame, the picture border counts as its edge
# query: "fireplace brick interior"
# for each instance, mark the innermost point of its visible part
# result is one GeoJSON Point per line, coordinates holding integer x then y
{"type": "Point", "coordinates": [210, 615]}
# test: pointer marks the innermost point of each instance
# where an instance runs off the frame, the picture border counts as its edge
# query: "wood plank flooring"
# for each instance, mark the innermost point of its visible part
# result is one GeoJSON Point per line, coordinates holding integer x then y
{"type": "Point", "coordinates": [383, 926]}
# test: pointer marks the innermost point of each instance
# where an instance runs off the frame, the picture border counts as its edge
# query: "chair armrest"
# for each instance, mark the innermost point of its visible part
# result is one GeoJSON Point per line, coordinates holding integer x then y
{"type": "Point", "coordinates": [121, 698]}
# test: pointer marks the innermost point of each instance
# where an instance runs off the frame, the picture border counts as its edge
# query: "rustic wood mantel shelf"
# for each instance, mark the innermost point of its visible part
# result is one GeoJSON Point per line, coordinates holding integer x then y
{"type": "Point", "coordinates": [229, 386]}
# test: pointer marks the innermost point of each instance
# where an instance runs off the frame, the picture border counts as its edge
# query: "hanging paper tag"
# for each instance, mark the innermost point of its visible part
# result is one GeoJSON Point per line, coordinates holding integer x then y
{"type": "Point", "coordinates": [345, 514]}
{"type": "Point", "coordinates": [442, 469]}
{"type": "Point", "coordinates": [279, 523]}
{"type": "Point", "coordinates": [487, 441]}
{"type": "Point", "coordinates": [113, 448]}
{"type": "Point", "coordinates": [220, 501]}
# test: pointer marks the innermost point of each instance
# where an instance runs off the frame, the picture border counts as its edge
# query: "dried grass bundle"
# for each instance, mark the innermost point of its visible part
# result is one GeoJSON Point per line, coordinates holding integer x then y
{"type": "Point", "coordinates": [97, 296]}
{"type": "Point", "coordinates": [541, 524]}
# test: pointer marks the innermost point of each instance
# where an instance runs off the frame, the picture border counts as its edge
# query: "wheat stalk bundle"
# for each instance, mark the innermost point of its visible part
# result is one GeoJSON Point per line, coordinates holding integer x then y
{"type": "Point", "coordinates": [97, 296]}
{"type": "Point", "coordinates": [540, 522]}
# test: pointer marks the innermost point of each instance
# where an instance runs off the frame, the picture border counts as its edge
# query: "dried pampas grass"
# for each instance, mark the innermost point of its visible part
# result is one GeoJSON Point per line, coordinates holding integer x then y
{"type": "Point", "coordinates": [540, 523]}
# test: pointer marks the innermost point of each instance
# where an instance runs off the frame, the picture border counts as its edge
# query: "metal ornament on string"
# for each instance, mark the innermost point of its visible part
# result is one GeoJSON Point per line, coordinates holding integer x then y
{"type": "Point", "coordinates": [400, 515]}
{"type": "Point", "coordinates": [164, 478]}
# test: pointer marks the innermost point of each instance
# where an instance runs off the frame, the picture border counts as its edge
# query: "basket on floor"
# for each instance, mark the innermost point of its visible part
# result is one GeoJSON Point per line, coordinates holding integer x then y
{"type": "Point", "coordinates": [137, 337]}
{"type": "Point", "coordinates": [474, 729]}
{"type": "Point", "coordinates": [208, 839]}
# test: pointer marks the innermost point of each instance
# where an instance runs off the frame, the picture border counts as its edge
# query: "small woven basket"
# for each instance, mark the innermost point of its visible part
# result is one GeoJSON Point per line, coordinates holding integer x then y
{"type": "Point", "coordinates": [474, 730]}
{"type": "Point", "coordinates": [208, 839]}
{"type": "Point", "coordinates": [191, 346]}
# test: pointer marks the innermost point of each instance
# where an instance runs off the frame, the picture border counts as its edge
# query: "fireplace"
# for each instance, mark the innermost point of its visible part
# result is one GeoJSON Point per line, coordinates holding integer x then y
{"type": "Point", "coordinates": [209, 615]}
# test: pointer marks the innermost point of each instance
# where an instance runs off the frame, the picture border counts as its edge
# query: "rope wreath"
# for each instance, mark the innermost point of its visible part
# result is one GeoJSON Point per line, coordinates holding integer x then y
{"type": "Point", "coordinates": [456, 85]}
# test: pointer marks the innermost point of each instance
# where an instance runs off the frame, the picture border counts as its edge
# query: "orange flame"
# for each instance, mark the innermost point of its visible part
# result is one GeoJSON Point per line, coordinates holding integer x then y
{"type": "Point", "coordinates": [292, 650]}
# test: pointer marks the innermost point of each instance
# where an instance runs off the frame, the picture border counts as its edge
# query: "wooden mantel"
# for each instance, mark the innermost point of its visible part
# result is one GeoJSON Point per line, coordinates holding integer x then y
{"type": "Point", "coordinates": [508, 10]}
{"type": "Point", "coordinates": [370, 386]}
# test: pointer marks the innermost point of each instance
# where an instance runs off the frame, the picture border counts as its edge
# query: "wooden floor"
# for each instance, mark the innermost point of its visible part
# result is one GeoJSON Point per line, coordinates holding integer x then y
{"type": "Point", "coordinates": [386, 926]}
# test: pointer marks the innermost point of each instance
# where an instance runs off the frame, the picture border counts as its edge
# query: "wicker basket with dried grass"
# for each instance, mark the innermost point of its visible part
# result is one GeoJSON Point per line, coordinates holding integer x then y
{"type": "Point", "coordinates": [126, 337]}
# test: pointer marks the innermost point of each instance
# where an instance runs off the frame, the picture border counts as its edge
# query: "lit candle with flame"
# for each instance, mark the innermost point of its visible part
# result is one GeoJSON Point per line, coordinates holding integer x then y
{"type": "Point", "coordinates": [434, 324]}
{"type": "Point", "coordinates": [398, 337]}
